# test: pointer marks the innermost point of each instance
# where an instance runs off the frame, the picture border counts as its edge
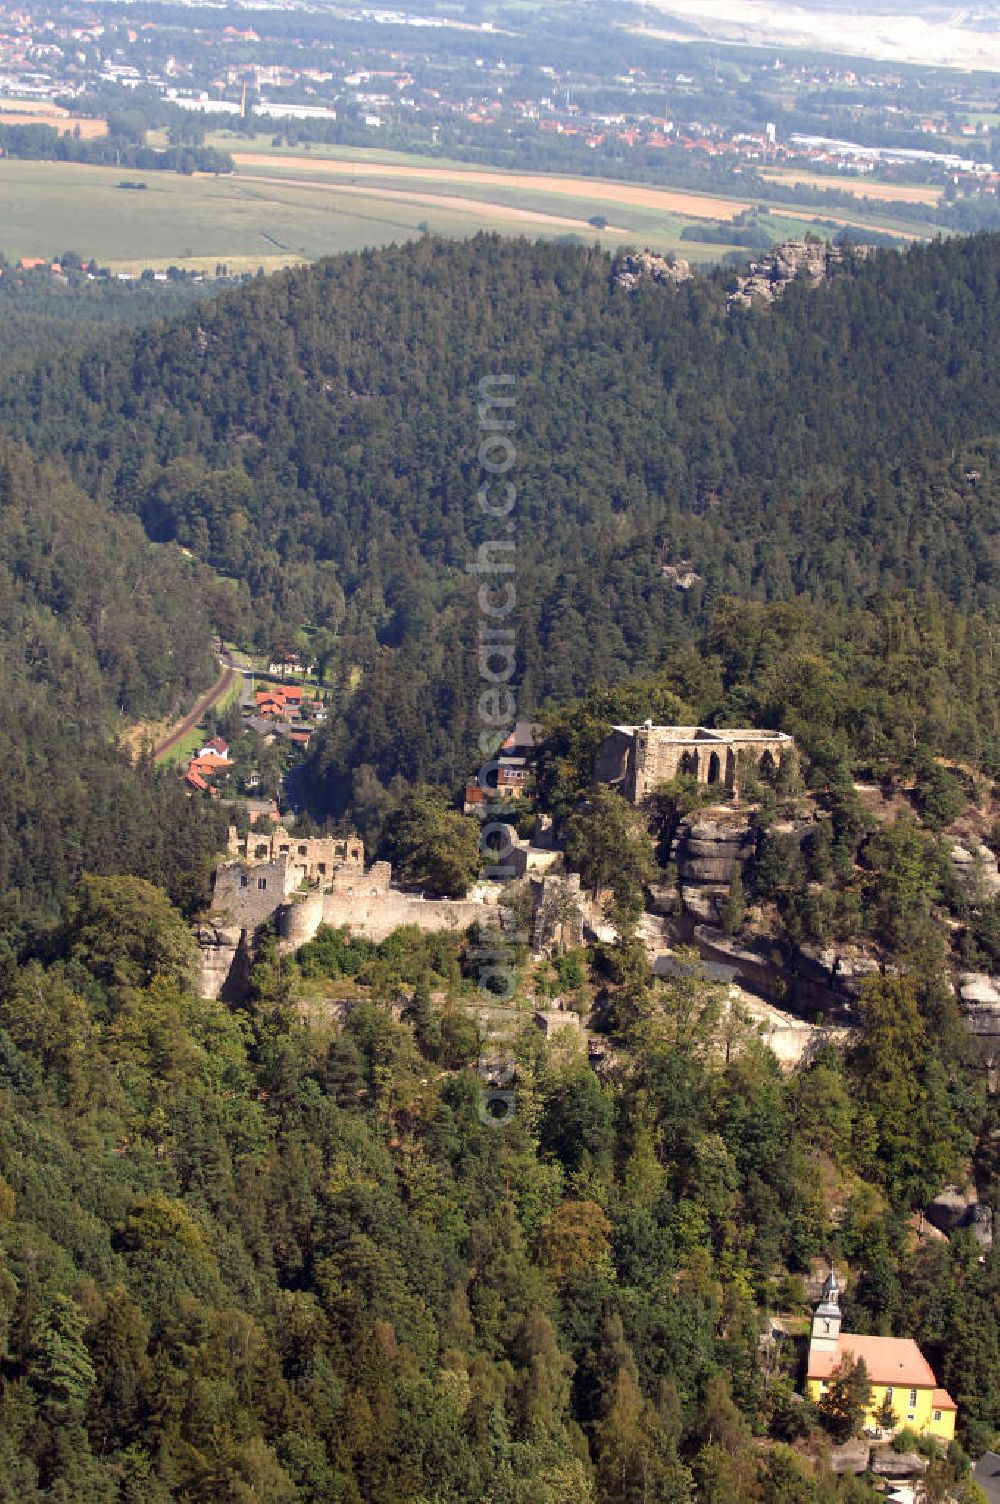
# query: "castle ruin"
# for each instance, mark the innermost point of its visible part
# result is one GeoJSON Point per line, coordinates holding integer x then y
{"type": "Point", "coordinates": [304, 882]}
{"type": "Point", "coordinates": [636, 759]}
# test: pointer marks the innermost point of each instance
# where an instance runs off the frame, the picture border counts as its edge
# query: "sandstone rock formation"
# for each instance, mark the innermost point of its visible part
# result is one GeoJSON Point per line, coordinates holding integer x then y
{"type": "Point", "coordinates": [633, 266]}
{"type": "Point", "coordinates": [976, 868]}
{"type": "Point", "coordinates": [814, 260]}
{"type": "Point", "coordinates": [953, 1209]}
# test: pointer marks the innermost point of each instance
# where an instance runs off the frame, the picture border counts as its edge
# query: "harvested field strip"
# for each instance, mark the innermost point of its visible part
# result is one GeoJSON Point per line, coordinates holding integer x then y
{"type": "Point", "coordinates": [666, 200]}
{"type": "Point", "coordinates": [451, 201]}
{"type": "Point", "coordinates": [811, 215]}
{"type": "Point", "coordinates": [88, 127]}
{"type": "Point", "coordinates": [901, 193]}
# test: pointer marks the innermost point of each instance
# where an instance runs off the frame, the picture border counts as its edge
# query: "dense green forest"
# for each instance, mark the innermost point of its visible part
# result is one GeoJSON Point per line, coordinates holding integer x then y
{"type": "Point", "coordinates": [41, 313]}
{"type": "Point", "coordinates": [244, 1258]}
{"type": "Point", "coordinates": [314, 435]}
{"type": "Point", "coordinates": [98, 628]}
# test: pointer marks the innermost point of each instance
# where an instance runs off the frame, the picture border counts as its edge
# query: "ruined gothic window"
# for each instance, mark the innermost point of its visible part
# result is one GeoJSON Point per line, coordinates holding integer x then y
{"type": "Point", "coordinates": [303, 850]}
{"type": "Point", "coordinates": [262, 883]}
{"type": "Point", "coordinates": [244, 881]}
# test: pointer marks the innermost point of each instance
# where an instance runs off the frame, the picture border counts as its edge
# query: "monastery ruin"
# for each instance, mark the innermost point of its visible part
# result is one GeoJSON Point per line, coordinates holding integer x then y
{"type": "Point", "coordinates": [636, 759]}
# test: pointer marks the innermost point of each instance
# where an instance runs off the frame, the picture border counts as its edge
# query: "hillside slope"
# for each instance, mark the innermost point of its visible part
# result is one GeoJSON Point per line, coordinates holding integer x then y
{"type": "Point", "coordinates": [97, 628]}
{"type": "Point", "coordinates": [315, 434]}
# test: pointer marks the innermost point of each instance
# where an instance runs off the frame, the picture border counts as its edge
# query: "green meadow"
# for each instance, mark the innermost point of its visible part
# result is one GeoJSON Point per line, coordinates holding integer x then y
{"type": "Point", "coordinates": [281, 210]}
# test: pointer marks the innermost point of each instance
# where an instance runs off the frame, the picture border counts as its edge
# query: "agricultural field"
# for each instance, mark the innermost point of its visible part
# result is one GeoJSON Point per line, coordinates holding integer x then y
{"type": "Point", "coordinates": [263, 218]}
{"type": "Point", "coordinates": [283, 206]}
{"type": "Point", "coordinates": [44, 112]}
{"type": "Point", "coordinates": [866, 187]}
{"type": "Point", "coordinates": [652, 214]}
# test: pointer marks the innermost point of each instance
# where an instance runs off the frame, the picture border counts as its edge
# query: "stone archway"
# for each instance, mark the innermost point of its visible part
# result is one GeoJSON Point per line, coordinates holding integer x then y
{"type": "Point", "coordinates": [766, 767]}
{"type": "Point", "coordinates": [689, 765]}
{"type": "Point", "coordinates": [714, 769]}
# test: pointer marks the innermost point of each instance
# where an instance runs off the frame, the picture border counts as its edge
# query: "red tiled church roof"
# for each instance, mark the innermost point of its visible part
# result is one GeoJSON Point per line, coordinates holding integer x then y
{"type": "Point", "coordinates": [889, 1360]}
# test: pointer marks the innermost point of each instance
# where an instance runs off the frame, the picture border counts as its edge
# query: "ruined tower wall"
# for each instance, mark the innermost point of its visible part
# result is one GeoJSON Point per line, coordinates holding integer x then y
{"type": "Point", "coordinates": [374, 914]}
{"type": "Point", "coordinates": [248, 896]}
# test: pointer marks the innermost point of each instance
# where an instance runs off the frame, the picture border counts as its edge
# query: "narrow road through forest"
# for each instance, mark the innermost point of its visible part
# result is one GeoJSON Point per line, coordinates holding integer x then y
{"type": "Point", "coordinates": [195, 716]}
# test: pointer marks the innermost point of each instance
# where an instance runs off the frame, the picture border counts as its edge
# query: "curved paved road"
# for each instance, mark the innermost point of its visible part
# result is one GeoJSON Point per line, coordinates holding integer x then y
{"type": "Point", "coordinates": [987, 1474]}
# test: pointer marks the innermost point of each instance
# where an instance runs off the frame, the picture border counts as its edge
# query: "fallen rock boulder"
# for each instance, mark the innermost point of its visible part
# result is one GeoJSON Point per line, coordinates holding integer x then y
{"type": "Point", "coordinates": [887, 1463]}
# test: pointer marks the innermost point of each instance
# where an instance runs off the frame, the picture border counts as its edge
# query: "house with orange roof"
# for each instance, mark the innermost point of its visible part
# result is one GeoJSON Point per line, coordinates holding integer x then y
{"type": "Point", "coordinates": [207, 764]}
{"type": "Point", "coordinates": [904, 1390]}
{"type": "Point", "coordinates": [271, 705]}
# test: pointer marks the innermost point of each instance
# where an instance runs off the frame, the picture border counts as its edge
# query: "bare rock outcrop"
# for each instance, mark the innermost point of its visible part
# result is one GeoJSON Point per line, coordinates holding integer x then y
{"type": "Point", "coordinates": [888, 1463]}
{"type": "Point", "coordinates": [633, 266]}
{"type": "Point", "coordinates": [709, 848]}
{"type": "Point", "coordinates": [976, 869]}
{"type": "Point", "coordinates": [813, 260]}
{"type": "Point", "coordinates": [953, 1209]}
{"type": "Point", "coordinates": [224, 960]}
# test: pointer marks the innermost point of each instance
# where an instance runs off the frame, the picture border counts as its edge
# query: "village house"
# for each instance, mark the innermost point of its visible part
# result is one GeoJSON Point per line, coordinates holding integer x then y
{"type": "Point", "coordinates": [903, 1384]}
{"type": "Point", "coordinates": [206, 766]}
{"type": "Point", "coordinates": [281, 668]}
{"type": "Point", "coordinates": [281, 700]}
{"type": "Point", "coordinates": [512, 770]}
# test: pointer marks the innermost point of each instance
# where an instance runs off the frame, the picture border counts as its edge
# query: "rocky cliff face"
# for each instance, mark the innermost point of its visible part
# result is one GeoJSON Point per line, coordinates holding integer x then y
{"type": "Point", "coordinates": [633, 266]}
{"type": "Point", "coordinates": [708, 848]}
{"type": "Point", "coordinates": [224, 961]}
{"type": "Point", "coordinates": [958, 1208]}
{"type": "Point", "coordinates": [767, 279]}
{"type": "Point", "coordinates": [976, 868]}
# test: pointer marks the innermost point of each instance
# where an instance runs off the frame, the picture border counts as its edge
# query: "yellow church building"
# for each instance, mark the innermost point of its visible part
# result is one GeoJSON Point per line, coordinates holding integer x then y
{"type": "Point", "coordinates": [901, 1377]}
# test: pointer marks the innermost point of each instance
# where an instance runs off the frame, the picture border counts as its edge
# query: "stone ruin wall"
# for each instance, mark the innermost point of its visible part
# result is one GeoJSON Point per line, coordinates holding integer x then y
{"type": "Point", "coordinates": [320, 858]}
{"type": "Point", "coordinates": [638, 758]}
{"type": "Point", "coordinates": [247, 895]}
{"type": "Point", "coordinates": [249, 891]}
{"type": "Point", "coordinates": [374, 915]}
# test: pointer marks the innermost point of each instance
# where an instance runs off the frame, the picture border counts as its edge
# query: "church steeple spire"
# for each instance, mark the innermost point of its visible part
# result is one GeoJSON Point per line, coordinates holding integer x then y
{"type": "Point", "coordinates": [826, 1318]}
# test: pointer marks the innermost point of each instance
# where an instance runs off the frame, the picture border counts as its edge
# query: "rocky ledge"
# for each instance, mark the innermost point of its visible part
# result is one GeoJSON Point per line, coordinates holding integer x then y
{"type": "Point", "coordinates": [813, 260]}
{"type": "Point", "coordinates": [633, 266]}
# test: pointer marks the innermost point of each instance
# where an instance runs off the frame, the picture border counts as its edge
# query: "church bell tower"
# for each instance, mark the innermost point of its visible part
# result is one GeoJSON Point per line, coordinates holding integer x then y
{"type": "Point", "coordinates": [826, 1318]}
